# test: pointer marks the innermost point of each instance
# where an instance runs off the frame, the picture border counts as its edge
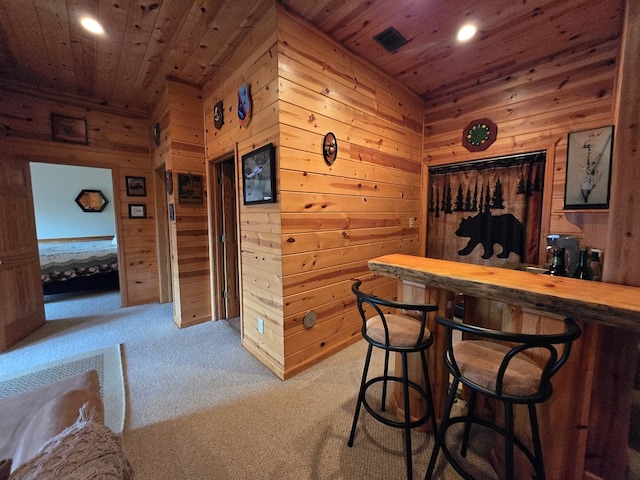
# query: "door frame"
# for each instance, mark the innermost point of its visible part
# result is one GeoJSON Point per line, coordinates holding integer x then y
{"type": "Point", "coordinates": [163, 248]}
{"type": "Point", "coordinates": [216, 250]}
{"type": "Point", "coordinates": [72, 162]}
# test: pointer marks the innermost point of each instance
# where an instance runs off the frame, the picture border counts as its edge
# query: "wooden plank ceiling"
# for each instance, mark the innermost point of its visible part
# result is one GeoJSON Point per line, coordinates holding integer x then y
{"type": "Point", "coordinates": [42, 44]}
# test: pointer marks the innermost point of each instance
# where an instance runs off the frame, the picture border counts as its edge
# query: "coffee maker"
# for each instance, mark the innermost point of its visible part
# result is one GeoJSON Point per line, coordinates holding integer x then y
{"type": "Point", "coordinates": [571, 247]}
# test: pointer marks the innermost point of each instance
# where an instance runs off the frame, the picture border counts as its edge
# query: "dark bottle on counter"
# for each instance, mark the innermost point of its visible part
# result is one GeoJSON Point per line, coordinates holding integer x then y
{"type": "Point", "coordinates": [582, 270]}
{"type": "Point", "coordinates": [596, 268]}
{"type": "Point", "coordinates": [557, 266]}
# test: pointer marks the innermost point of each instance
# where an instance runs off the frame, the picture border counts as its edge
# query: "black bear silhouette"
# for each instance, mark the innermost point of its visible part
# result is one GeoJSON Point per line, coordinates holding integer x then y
{"type": "Point", "coordinates": [486, 229]}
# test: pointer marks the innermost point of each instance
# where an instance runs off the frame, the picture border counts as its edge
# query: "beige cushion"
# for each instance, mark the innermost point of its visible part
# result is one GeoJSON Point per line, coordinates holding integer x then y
{"type": "Point", "coordinates": [17, 410]}
{"type": "Point", "coordinates": [479, 361]}
{"type": "Point", "coordinates": [85, 450]}
{"type": "Point", "coordinates": [56, 415]}
{"type": "Point", "coordinates": [403, 330]}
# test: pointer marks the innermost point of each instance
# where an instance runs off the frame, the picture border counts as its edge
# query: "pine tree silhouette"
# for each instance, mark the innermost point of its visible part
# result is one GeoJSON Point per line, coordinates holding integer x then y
{"type": "Point", "coordinates": [497, 200]}
{"type": "Point", "coordinates": [474, 207]}
{"type": "Point", "coordinates": [487, 200]}
{"type": "Point", "coordinates": [448, 205]}
{"type": "Point", "coordinates": [522, 189]}
{"type": "Point", "coordinates": [459, 205]}
{"type": "Point", "coordinates": [467, 203]}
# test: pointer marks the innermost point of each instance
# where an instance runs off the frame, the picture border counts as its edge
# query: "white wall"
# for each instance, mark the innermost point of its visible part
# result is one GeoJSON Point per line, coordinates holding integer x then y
{"type": "Point", "coordinates": [55, 188]}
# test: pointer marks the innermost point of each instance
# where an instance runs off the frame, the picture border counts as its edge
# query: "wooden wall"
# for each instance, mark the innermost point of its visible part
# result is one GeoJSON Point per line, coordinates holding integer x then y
{"type": "Point", "coordinates": [303, 252]}
{"type": "Point", "coordinates": [335, 218]}
{"type": "Point", "coordinates": [534, 109]}
{"type": "Point", "coordinates": [182, 147]}
{"type": "Point", "coordinates": [116, 140]}
{"type": "Point", "coordinates": [254, 62]}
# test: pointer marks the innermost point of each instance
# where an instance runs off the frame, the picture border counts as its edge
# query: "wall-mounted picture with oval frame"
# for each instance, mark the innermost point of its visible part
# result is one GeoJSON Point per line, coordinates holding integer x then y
{"type": "Point", "coordinates": [259, 176]}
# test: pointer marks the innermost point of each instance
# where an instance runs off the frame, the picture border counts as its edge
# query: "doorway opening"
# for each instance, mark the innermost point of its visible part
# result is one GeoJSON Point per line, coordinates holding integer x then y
{"type": "Point", "coordinates": [224, 259]}
{"type": "Point", "coordinates": [77, 241]}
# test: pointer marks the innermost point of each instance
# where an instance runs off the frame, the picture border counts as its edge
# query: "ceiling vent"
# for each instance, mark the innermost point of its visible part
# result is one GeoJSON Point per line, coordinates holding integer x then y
{"type": "Point", "coordinates": [390, 39]}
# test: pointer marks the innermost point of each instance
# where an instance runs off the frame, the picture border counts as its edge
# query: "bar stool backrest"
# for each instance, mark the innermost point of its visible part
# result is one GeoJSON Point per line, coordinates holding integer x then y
{"type": "Point", "coordinates": [371, 306]}
{"type": "Point", "coordinates": [517, 344]}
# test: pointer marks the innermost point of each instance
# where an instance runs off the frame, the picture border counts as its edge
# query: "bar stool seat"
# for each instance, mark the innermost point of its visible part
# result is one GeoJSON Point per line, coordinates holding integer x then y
{"type": "Point", "coordinates": [479, 362]}
{"type": "Point", "coordinates": [405, 332]}
{"type": "Point", "coordinates": [501, 371]}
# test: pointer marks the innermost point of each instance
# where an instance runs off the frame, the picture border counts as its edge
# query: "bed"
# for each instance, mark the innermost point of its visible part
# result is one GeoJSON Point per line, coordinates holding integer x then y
{"type": "Point", "coordinates": [75, 264]}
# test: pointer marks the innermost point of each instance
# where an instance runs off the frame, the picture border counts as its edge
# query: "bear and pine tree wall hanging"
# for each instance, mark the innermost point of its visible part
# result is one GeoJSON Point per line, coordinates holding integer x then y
{"type": "Point", "coordinates": [487, 211]}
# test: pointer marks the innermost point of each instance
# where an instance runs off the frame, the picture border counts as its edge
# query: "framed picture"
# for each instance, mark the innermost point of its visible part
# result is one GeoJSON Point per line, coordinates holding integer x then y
{"type": "Point", "coordinates": [588, 180]}
{"type": "Point", "coordinates": [189, 188]}
{"type": "Point", "coordinates": [259, 176]}
{"type": "Point", "coordinates": [68, 129]}
{"type": "Point", "coordinates": [136, 187]}
{"type": "Point", "coordinates": [137, 211]}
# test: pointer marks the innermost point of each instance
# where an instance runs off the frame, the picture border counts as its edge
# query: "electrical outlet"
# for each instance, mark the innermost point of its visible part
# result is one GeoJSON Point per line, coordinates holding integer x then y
{"type": "Point", "coordinates": [261, 325]}
{"type": "Point", "coordinates": [411, 220]}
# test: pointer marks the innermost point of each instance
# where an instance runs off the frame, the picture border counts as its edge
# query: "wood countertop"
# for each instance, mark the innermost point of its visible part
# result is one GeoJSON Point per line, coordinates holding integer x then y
{"type": "Point", "coordinates": [608, 303]}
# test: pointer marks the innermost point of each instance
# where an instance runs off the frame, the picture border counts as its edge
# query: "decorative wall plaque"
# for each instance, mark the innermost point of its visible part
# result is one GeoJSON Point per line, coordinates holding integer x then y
{"type": "Point", "coordinates": [218, 115]}
{"type": "Point", "coordinates": [156, 134]}
{"type": "Point", "coordinates": [244, 105]}
{"type": "Point", "coordinates": [479, 135]}
{"type": "Point", "coordinates": [330, 148]}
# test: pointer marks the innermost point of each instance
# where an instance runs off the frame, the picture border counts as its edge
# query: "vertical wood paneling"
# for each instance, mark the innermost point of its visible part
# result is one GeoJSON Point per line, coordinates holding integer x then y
{"type": "Point", "coordinates": [609, 459]}
{"type": "Point", "coordinates": [188, 232]}
{"type": "Point", "coordinates": [255, 62]}
{"type": "Point", "coordinates": [335, 218]}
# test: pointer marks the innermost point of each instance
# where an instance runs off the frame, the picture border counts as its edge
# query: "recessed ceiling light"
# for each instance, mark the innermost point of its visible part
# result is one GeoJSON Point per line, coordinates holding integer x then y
{"type": "Point", "coordinates": [466, 32]}
{"type": "Point", "coordinates": [92, 25]}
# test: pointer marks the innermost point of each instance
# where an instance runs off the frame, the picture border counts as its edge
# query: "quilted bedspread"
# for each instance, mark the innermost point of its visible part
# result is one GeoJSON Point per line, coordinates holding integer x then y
{"type": "Point", "coordinates": [64, 260]}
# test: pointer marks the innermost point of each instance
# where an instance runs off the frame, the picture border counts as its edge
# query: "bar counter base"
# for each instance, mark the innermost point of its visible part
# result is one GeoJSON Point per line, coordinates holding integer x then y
{"type": "Point", "coordinates": [584, 426]}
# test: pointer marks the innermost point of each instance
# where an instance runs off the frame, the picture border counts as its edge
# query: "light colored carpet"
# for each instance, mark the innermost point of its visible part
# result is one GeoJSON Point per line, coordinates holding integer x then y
{"type": "Point", "coordinates": [106, 361]}
{"type": "Point", "coordinates": [199, 406]}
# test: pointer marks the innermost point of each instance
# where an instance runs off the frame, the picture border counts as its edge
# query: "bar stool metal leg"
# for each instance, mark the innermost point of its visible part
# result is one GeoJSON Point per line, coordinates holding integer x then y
{"type": "Point", "coordinates": [439, 438]}
{"type": "Point", "coordinates": [508, 440]}
{"type": "Point", "coordinates": [467, 426]}
{"type": "Point", "coordinates": [430, 407]}
{"type": "Point", "coordinates": [360, 395]}
{"type": "Point", "coordinates": [383, 407]}
{"type": "Point", "coordinates": [537, 447]}
{"type": "Point", "coordinates": [407, 415]}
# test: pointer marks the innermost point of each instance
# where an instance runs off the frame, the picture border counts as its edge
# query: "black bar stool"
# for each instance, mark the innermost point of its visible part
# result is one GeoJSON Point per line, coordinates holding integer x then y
{"type": "Point", "coordinates": [500, 371]}
{"type": "Point", "coordinates": [394, 332]}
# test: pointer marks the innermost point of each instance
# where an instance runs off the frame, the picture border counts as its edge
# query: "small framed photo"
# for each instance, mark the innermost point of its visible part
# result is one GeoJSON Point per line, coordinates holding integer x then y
{"type": "Point", "coordinates": [259, 175]}
{"type": "Point", "coordinates": [588, 180]}
{"type": "Point", "coordinates": [136, 187]}
{"type": "Point", "coordinates": [189, 188]}
{"type": "Point", "coordinates": [68, 129]}
{"type": "Point", "coordinates": [137, 211]}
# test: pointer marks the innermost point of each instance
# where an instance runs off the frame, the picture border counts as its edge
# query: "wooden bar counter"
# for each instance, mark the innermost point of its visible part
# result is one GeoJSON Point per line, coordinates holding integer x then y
{"type": "Point", "coordinates": [575, 430]}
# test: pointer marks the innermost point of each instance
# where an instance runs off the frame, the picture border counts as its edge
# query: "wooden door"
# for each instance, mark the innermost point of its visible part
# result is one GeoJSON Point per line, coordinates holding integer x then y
{"type": "Point", "coordinates": [21, 296]}
{"type": "Point", "coordinates": [230, 244]}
